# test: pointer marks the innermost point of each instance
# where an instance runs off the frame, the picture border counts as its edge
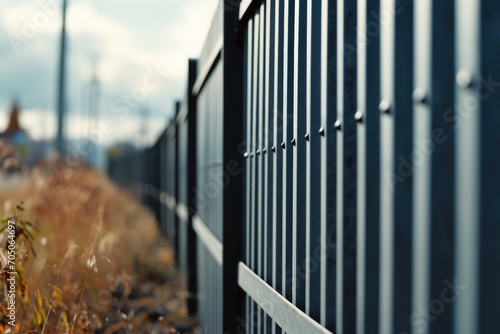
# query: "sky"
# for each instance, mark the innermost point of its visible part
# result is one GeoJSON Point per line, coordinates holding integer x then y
{"type": "Point", "coordinates": [138, 49]}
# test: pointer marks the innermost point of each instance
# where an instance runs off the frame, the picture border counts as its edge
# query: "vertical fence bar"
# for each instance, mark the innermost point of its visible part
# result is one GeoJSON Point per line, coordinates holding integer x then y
{"type": "Point", "coordinates": [468, 166]}
{"type": "Point", "coordinates": [489, 95]}
{"type": "Point", "coordinates": [433, 159]}
{"type": "Point", "coordinates": [285, 212]}
{"type": "Point", "coordinates": [248, 181]}
{"type": "Point", "coordinates": [386, 166]}
{"type": "Point", "coordinates": [314, 96]}
{"type": "Point", "coordinates": [308, 110]}
{"type": "Point", "coordinates": [277, 152]}
{"type": "Point", "coordinates": [288, 121]}
{"type": "Point", "coordinates": [329, 160]}
{"type": "Point", "coordinates": [396, 180]}
{"type": "Point", "coordinates": [259, 157]}
{"type": "Point", "coordinates": [368, 169]}
{"type": "Point", "coordinates": [346, 167]}
{"type": "Point", "coordinates": [268, 135]}
{"type": "Point", "coordinates": [255, 187]}
{"type": "Point", "coordinates": [443, 221]}
{"type": "Point", "coordinates": [253, 261]}
{"type": "Point", "coordinates": [477, 121]}
{"type": "Point", "coordinates": [422, 171]}
{"type": "Point", "coordinates": [297, 145]}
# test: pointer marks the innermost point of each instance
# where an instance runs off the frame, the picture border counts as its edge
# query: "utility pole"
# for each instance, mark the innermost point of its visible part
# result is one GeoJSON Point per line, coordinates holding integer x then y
{"type": "Point", "coordinates": [61, 85]}
{"type": "Point", "coordinates": [94, 112]}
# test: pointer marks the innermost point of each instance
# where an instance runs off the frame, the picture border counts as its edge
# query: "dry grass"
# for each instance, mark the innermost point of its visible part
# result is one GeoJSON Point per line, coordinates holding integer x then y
{"type": "Point", "coordinates": [96, 250]}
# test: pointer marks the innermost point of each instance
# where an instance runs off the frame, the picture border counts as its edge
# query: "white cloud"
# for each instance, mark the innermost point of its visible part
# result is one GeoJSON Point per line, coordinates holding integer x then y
{"type": "Point", "coordinates": [125, 43]}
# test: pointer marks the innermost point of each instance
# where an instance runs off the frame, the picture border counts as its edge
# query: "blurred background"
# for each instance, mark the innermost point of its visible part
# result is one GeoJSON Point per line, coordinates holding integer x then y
{"type": "Point", "coordinates": [125, 61]}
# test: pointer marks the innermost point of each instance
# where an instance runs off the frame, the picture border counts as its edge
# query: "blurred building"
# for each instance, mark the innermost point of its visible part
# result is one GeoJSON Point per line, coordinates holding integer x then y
{"type": "Point", "coordinates": [25, 150]}
{"type": "Point", "coordinates": [15, 136]}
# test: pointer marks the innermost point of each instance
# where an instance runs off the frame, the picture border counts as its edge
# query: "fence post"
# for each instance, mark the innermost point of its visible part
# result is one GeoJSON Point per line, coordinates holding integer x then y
{"type": "Point", "coordinates": [175, 189]}
{"type": "Point", "coordinates": [191, 184]}
{"type": "Point", "coordinates": [232, 55]}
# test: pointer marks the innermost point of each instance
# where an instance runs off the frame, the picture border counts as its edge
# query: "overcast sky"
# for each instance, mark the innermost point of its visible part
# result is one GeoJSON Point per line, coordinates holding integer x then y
{"type": "Point", "coordinates": [127, 39]}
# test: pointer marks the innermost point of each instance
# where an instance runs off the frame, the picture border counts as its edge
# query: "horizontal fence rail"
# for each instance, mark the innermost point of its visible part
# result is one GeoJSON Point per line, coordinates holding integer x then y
{"type": "Point", "coordinates": [334, 168]}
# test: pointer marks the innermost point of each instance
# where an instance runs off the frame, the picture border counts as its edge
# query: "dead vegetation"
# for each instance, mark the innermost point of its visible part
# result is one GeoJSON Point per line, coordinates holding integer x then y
{"type": "Point", "coordinates": [96, 262]}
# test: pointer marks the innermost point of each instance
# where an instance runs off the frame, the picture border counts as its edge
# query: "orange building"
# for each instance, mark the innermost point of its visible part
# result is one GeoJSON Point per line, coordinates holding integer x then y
{"type": "Point", "coordinates": [16, 136]}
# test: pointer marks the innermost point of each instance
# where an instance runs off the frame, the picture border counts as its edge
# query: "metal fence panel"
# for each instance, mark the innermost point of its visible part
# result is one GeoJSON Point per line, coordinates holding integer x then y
{"type": "Point", "coordinates": [209, 160]}
{"type": "Point", "coordinates": [209, 291]}
{"type": "Point", "coordinates": [368, 198]}
{"type": "Point", "coordinates": [296, 93]}
{"type": "Point", "coordinates": [209, 191]}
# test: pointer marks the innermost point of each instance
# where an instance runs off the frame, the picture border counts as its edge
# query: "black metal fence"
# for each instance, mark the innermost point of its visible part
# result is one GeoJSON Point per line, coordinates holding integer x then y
{"type": "Point", "coordinates": [334, 167]}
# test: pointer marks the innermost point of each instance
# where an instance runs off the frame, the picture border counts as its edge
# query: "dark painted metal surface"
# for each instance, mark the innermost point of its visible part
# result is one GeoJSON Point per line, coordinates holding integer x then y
{"type": "Point", "coordinates": [368, 168]}
{"type": "Point", "coordinates": [339, 160]}
{"type": "Point", "coordinates": [433, 230]}
{"type": "Point", "coordinates": [346, 166]}
{"type": "Point", "coordinates": [396, 128]}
